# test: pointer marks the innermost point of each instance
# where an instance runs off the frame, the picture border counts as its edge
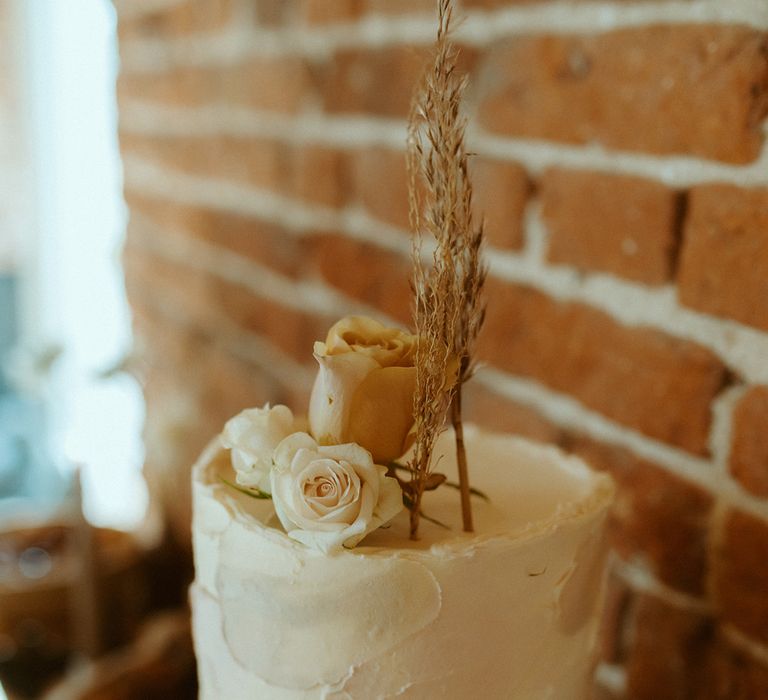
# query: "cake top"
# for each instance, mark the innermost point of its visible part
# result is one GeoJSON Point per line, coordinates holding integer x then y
{"type": "Point", "coordinates": [531, 489]}
{"type": "Point", "coordinates": [374, 442]}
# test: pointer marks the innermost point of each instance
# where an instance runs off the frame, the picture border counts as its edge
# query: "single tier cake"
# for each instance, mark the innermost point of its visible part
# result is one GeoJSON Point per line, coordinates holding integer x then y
{"type": "Point", "coordinates": [508, 612]}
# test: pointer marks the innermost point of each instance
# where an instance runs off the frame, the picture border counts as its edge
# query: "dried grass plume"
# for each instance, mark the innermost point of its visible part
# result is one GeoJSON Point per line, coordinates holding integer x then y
{"type": "Point", "coordinates": [448, 286]}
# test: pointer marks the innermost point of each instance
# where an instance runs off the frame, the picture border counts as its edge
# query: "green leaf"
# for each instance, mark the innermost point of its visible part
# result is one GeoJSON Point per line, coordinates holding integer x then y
{"type": "Point", "coordinates": [253, 493]}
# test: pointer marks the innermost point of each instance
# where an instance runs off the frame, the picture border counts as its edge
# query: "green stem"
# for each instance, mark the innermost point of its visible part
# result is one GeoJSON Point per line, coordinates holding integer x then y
{"type": "Point", "coordinates": [253, 493]}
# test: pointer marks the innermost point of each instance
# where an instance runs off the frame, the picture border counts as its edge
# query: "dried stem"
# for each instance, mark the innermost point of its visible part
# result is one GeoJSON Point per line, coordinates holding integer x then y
{"type": "Point", "coordinates": [448, 287]}
{"type": "Point", "coordinates": [461, 461]}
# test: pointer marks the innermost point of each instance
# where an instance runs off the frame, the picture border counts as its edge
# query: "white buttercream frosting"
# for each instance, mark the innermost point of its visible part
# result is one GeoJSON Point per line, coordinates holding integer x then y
{"type": "Point", "coordinates": [509, 612]}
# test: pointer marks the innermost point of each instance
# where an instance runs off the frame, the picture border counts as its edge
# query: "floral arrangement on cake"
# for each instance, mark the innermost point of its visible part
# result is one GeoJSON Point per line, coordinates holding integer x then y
{"type": "Point", "coordinates": [382, 394]}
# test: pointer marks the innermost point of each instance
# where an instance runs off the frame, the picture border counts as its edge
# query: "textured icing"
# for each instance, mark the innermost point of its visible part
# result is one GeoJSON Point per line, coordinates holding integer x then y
{"type": "Point", "coordinates": [292, 612]}
{"type": "Point", "coordinates": [510, 612]}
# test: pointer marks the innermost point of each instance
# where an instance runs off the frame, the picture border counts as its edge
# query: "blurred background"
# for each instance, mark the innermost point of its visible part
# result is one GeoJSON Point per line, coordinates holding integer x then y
{"type": "Point", "coordinates": [193, 191]}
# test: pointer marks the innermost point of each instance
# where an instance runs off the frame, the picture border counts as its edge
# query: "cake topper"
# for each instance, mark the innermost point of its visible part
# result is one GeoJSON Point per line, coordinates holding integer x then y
{"type": "Point", "coordinates": [449, 304]}
{"type": "Point", "coordinates": [382, 394]}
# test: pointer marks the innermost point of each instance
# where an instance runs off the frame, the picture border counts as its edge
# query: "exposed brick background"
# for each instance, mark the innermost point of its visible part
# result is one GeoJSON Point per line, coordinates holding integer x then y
{"type": "Point", "coordinates": [612, 223]}
{"type": "Point", "coordinates": [623, 177]}
{"type": "Point", "coordinates": [724, 267]}
{"type": "Point", "coordinates": [749, 453]}
{"type": "Point", "coordinates": [634, 89]}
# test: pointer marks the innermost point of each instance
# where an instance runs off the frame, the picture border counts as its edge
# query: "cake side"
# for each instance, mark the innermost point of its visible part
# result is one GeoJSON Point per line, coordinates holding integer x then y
{"type": "Point", "coordinates": [508, 612]}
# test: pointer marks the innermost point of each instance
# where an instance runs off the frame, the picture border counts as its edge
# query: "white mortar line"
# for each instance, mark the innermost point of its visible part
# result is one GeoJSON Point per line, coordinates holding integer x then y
{"type": "Point", "coordinates": [247, 346]}
{"type": "Point", "coordinates": [262, 281]}
{"type": "Point", "coordinates": [643, 581]}
{"type": "Point", "coordinates": [743, 349]}
{"type": "Point", "coordinates": [298, 217]}
{"type": "Point", "coordinates": [612, 677]}
{"type": "Point", "coordinates": [345, 131]}
{"type": "Point", "coordinates": [759, 652]}
{"type": "Point", "coordinates": [594, 17]}
{"type": "Point", "coordinates": [734, 495]}
{"type": "Point", "coordinates": [142, 117]}
{"type": "Point", "coordinates": [672, 170]}
{"type": "Point", "coordinates": [536, 236]}
{"type": "Point", "coordinates": [570, 414]}
{"type": "Point", "coordinates": [477, 29]}
{"type": "Point", "coordinates": [722, 425]}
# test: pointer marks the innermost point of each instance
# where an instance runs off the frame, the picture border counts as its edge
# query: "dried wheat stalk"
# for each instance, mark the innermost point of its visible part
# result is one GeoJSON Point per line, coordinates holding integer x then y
{"type": "Point", "coordinates": [449, 308]}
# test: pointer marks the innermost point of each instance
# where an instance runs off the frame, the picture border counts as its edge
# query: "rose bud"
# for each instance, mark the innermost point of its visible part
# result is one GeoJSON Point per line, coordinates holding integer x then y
{"type": "Point", "coordinates": [364, 388]}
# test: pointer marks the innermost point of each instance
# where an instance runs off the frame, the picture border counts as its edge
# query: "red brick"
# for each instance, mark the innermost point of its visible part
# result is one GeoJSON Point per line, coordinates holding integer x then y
{"type": "Point", "coordinates": [634, 89]}
{"type": "Point", "coordinates": [181, 18]}
{"type": "Point", "coordinates": [276, 13]}
{"type": "Point", "coordinates": [267, 244]}
{"type": "Point", "coordinates": [185, 409]}
{"type": "Point", "coordinates": [271, 84]}
{"type": "Point", "coordinates": [184, 86]}
{"type": "Point", "coordinates": [501, 4]}
{"type": "Point", "coordinates": [379, 81]}
{"type": "Point", "coordinates": [257, 162]}
{"type": "Point", "coordinates": [354, 80]}
{"type": "Point", "coordinates": [319, 174]}
{"type": "Point", "coordinates": [363, 271]}
{"type": "Point", "coordinates": [316, 174]}
{"type": "Point", "coordinates": [749, 442]}
{"type": "Point", "coordinates": [611, 223]}
{"type": "Point", "coordinates": [674, 653]}
{"type": "Point", "coordinates": [501, 191]}
{"type": "Point", "coordinates": [281, 84]}
{"type": "Point", "coordinates": [210, 302]}
{"type": "Point", "coordinates": [494, 412]}
{"type": "Point", "coordinates": [291, 331]}
{"type": "Point", "coordinates": [379, 183]}
{"type": "Point", "coordinates": [227, 383]}
{"type": "Point", "coordinates": [670, 646]}
{"type": "Point", "coordinates": [734, 675]}
{"type": "Point", "coordinates": [659, 385]}
{"type": "Point", "coordinates": [401, 7]}
{"type": "Point", "coordinates": [658, 518]}
{"type": "Point", "coordinates": [324, 12]}
{"type": "Point", "coordinates": [724, 264]}
{"type": "Point", "coordinates": [741, 574]}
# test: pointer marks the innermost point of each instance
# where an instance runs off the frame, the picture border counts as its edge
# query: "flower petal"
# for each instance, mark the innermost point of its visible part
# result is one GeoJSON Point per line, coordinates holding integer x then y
{"type": "Point", "coordinates": [381, 413]}
{"type": "Point", "coordinates": [337, 379]}
{"type": "Point", "coordinates": [287, 449]}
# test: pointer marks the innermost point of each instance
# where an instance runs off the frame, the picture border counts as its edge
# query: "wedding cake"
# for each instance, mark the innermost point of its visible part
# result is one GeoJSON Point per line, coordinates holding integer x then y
{"type": "Point", "coordinates": [329, 556]}
{"type": "Point", "coordinates": [308, 586]}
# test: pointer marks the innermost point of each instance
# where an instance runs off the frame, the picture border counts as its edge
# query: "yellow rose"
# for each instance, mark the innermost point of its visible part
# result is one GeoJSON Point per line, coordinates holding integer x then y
{"type": "Point", "coordinates": [364, 388]}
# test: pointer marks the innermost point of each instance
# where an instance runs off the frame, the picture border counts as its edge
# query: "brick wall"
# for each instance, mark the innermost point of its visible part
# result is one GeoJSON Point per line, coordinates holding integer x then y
{"type": "Point", "coordinates": [622, 169]}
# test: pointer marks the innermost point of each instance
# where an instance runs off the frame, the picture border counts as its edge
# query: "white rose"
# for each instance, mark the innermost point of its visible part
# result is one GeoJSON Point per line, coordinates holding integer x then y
{"type": "Point", "coordinates": [363, 393]}
{"type": "Point", "coordinates": [330, 496]}
{"type": "Point", "coordinates": [253, 435]}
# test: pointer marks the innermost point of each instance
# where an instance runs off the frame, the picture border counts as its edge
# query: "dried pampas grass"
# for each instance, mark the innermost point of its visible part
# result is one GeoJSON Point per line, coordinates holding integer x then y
{"type": "Point", "coordinates": [448, 286]}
